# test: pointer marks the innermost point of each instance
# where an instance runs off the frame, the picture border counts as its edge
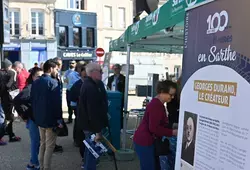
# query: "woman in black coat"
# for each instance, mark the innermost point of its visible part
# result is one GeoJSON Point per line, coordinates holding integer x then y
{"type": "Point", "coordinates": [75, 90]}
{"type": "Point", "coordinates": [22, 104]}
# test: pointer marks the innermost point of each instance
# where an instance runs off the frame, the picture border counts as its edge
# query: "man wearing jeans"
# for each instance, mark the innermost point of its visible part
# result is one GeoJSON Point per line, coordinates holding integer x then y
{"type": "Point", "coordinates": [46, 105]}
{"type": "Point", "coordinates": [93, 109]}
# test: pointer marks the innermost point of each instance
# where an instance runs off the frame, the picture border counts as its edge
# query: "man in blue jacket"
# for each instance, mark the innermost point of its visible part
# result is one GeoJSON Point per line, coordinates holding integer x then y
{"type": "Point", "coordinates": [46, 105]}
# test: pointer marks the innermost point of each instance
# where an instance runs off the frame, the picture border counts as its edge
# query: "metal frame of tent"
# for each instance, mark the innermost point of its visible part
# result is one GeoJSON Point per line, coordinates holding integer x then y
{"type": "Point", "coordinates": [160, 32]}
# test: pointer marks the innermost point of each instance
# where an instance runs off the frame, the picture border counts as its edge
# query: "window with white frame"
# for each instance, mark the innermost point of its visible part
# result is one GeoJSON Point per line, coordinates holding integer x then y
{"type": "Point", "coordinates": [77, 4]}
{"type": "Point", "coordinates": [108, 16]}
{"type": "Point", "coordinates": [14, 18]}
{"type": "Point", "coordinates": [122, 17]}
{"type": "Point", "coordinates": [37, 22]}
{"type": "Point", "coordinates": [106, 43]}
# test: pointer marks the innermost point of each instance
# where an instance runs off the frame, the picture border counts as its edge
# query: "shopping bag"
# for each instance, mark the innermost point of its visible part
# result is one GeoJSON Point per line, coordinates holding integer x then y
{"type": "Point", "coordinates": [168, 162]}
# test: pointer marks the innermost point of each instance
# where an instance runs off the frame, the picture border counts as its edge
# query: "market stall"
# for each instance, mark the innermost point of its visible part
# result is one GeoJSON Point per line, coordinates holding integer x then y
{"type": "Point", "coordinates": [161, 31]}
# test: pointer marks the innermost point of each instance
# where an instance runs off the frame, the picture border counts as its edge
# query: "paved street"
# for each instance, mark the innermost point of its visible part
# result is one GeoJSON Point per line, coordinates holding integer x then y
{"type": "Point", "coordinates": [15, 156]}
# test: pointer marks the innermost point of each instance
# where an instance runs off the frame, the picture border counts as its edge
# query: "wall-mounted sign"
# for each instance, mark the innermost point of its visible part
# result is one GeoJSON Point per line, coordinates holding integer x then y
{"type": "Point", "coordinates": [12, 47]}
{"type": "Point", "coordinates": [99, 52]}
{"type": "Point", "coordinates": [77, 54]}
{"type": "Point", "coordinates": [4, 25]}
{"type": "Point", "coordinates": [77, 19]}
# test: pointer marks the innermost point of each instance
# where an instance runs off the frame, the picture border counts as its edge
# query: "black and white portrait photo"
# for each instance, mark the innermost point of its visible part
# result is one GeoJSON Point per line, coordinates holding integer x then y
{"type": "Point", "coordinates": [188, 145]}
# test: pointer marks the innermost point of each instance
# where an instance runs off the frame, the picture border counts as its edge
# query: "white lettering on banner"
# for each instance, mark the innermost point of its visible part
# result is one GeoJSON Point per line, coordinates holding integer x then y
{"type": "Point", "coordinates": [152, 18]}
{"type": "Point", "coordinates": [219, 17]}
{"type": "Point", "coordinates": [68, 55]}
{"type": "Point", "coordinates": [176, 2]}
{"type": "Point", "coordinates": [191, 2]}
{"type": "Point", "coordinates": [135, 28]}
{"type": "Point", "coordinates": [216, 56]}
{"type": "Point", "coordinates": [186, 31]}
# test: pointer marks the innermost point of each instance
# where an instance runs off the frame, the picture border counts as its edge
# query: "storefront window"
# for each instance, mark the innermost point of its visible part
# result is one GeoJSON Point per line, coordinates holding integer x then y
{"type": "Point", "coordinates": [90, 37]}
{"type": "Point", "coordinates": [37, 23]}
{"type": "Point", "coordinates": [14, 22]}
{"type": "Point", "coordinates": [63, 36]}
{"type": "Point", "coordinates": [77, 37]}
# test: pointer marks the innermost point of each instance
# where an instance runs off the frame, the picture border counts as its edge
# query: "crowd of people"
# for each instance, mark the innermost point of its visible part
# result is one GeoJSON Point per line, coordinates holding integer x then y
{"type": "Point", "coordinates": [38, 101]}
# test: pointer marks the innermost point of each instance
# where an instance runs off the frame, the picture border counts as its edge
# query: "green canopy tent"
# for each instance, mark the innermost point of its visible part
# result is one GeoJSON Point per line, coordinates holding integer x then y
{"type": "Point", "coordinates": [161, 31]}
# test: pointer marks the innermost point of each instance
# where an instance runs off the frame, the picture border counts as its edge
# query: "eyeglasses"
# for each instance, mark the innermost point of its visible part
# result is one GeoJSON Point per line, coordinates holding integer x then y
{"type": "Point", "coordinates": [97, 70]}
{"type": "Point", "coordinates": [172, 95]}
{"type": "Point", "coordinates": [72, 63]}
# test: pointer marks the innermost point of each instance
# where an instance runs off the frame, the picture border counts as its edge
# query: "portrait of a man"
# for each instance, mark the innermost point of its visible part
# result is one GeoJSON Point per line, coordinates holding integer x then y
{"type": "Point", "coordinates": [188, 147]}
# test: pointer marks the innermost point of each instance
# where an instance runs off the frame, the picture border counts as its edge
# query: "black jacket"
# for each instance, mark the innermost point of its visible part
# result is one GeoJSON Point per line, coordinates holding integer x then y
{"type": "Point", "coordinates": [22, 104]}
{"type": "Point", "coordinates": [120, 84]}
{"type": "Point", "coordinates": [75, 91]}
{"type": "Point", "coordinates": [7, 82]}
{"type": "Point", "coordinates": [173, 110]}
{"type": "Point", "coordinates": [93, 106]}
{"type": "Point", "coordinates": [187, 153]}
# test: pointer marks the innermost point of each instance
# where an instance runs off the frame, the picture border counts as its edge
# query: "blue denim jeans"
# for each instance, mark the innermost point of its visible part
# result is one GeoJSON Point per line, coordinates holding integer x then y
{"type": "Point", "coordinates": [89, 159]}
{"type": "Point", "coordinates": [34, 141]}
{"type": "Point", "coordinates": [146, 156]}
{"type": "Point", "coordinates": [2, 126]}
{"type": "Point", "coordinates": [2, 116]}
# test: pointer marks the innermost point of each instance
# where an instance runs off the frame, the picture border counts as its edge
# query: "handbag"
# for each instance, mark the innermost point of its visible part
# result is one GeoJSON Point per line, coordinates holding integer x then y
{"type": "Point", "coordinates": [62, 132]}
{"type": "Point", "coordinates": [162, 146]}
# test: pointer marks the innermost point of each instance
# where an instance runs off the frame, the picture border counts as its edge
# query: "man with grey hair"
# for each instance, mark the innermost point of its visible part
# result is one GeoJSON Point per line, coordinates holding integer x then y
{"type": "Point", "coordinates": [22, 75]}
{"type": "Point", "coordinates": [93, 109]}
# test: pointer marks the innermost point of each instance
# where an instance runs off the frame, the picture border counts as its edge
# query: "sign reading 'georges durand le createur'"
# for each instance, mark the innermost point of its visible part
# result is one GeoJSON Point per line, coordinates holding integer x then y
{"type": "Point", "coordinates": [214, 114]}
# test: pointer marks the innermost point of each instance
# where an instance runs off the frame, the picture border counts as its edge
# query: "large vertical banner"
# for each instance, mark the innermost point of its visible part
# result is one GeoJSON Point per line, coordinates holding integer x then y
{"type": "Point", "coordinates": [214, 120]}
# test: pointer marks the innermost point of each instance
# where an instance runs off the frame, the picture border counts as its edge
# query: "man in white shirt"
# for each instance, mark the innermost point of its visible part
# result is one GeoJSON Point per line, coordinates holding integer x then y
{"type": "Point", "coordinates": [71, 69]}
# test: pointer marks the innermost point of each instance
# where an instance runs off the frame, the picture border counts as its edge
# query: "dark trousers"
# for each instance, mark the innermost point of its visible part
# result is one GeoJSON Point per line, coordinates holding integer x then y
{"type": "Point", "coordinates": [75, 131]}
{"type": "Point", "coordinates": [70, 109]}
{"type": "Point", "coordinates": [8, 108]}
{"type": "Point", "coordinates": [2, 131]}
{"type": "Point", "coordinates": [78, 137]}
{"type": "Point", "coordinates": [82, 146]}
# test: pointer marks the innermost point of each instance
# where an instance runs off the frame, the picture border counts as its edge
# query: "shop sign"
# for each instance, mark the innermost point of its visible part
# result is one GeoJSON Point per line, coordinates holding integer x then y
{"type": "Point", "coordinates": [77, 55]}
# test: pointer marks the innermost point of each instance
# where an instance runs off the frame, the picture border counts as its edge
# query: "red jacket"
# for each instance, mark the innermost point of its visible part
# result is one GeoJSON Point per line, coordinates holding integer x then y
{"type": "Point", "coordinates": [21, 79]}
{"type": "Point", "coordinates": [154, 124]}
